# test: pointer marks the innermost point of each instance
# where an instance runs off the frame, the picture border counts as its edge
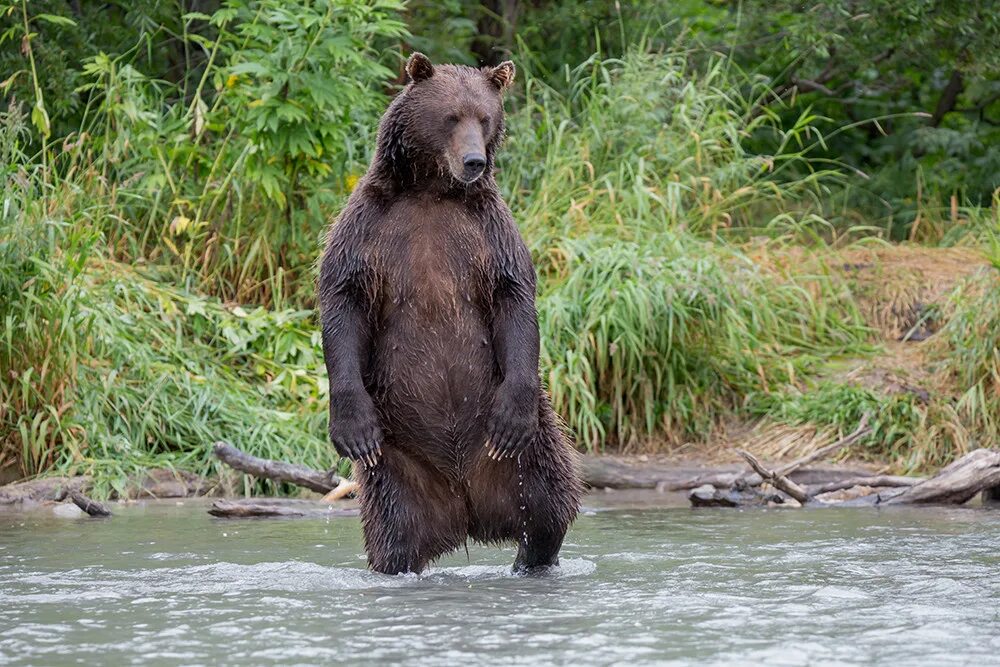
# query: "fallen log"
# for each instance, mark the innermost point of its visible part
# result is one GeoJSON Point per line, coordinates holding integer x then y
{"type": "Point", "coordinates": [597, 472]}
{"type": "Point", "coordinates": [88, 505]}
{"type": "Point", "coordinates": [42, 489]}
{"type": "Point", "coordinates": [957, 482]}
{"type": "Point", "coordinates": [606, 472]}
{"type": "Point", "coordinates": [321, 482]}
{"type": "Point", "coordinates": [875, 481]}
{"type": "Point", "coordinates": [243, 509]}
{"type": "Point", "coordinates": [344, 489]}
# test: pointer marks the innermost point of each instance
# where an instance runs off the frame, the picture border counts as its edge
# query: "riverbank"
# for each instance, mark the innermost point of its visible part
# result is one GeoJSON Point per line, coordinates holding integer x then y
{"type": "Point", "coordinates": [612, 473]}
{"type": "Point", "coordinates": [681, 361]}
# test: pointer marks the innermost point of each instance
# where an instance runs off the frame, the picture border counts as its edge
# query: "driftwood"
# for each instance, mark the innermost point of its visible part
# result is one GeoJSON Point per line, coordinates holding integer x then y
{"type": "Point", "coordinates": [43, 489]}
{"type": "Point", "coordinates": [957, 483]}
{"type": "Point", "coordinates": [875, 481]}
{"type": "Point", "coordinates": [709, 496]}
{"type": "Point", "coordinates": [321, 482]}
{"type": "Point", "coordinates": [597, 472]}
{"type": "Point", "coordinates": [606, 472]}
{"type": "Point", "coordinates": [88, 505]}
{"type": "Point", "coordinates": [242, 509]}
{"type": "Point", "coordinates": [777, 480]}
{"type": "Point", "coordinates": [344, 489]}
{"type": "Point", "coordinates": [976, 472]}
{"type": "Point", "coordinates": [153, 483]}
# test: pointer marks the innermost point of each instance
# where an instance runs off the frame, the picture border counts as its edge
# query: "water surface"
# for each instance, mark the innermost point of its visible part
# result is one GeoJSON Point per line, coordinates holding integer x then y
{"type": "Point", "coordinates": [168, 584]}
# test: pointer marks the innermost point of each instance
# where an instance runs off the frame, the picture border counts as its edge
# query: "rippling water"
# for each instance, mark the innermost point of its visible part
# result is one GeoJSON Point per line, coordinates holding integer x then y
{"type": "Point", "coordinates": [170, 585]}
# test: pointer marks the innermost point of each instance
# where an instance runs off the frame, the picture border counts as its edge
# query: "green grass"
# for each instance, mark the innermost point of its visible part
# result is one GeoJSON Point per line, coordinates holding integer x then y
{"type": "Point", "coordinates": [972, 355]}
{"type": "Point", "coordinates": [671, 336]}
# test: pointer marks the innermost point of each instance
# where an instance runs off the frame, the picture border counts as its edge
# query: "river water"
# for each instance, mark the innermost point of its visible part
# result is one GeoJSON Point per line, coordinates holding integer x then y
{"type": "Point", "coordinates": [168, 584]}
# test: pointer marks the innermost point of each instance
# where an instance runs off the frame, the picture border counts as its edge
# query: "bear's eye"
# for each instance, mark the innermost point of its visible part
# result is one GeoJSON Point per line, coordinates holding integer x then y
{"type": "Point", "coordinates": [485, 122]}
{"type": "Point", "coordinates": [452, 119]}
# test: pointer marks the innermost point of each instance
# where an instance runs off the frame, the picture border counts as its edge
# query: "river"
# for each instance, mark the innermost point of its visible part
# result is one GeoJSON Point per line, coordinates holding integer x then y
{"type": "Point", "coordinates": [164, 583]}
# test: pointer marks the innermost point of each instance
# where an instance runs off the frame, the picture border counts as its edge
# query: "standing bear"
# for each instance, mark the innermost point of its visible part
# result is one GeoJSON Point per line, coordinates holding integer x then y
{"type": "Point", "coordinates": [430, 334]}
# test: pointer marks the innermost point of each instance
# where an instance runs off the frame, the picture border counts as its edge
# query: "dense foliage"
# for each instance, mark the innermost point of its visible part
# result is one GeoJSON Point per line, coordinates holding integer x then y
{"type": "Point", "coordinates": [681, 171]}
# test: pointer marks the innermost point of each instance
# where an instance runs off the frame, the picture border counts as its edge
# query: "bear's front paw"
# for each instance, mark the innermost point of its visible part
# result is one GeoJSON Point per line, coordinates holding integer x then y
{"type": "Point", "coordinates": [513, 421]}
{"type": "Point", "coordinates": [354, 429]}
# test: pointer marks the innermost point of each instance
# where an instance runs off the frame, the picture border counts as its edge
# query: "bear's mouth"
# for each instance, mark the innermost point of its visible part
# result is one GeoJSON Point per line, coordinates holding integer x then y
{"type": "Point", "coordinates": [464, 173]}
{"type": "Point", "coordinates": [468, 181]}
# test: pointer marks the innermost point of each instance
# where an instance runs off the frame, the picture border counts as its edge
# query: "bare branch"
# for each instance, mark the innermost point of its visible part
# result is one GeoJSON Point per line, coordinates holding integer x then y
{"type": "Point", "coordinates": [779, 482]}
{"type": "Point", "coordinates": [315, 480]}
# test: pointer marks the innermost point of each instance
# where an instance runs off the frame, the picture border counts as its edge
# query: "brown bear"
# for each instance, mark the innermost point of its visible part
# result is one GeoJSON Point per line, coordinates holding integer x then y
{"type": "Point", "coordinates": [430, 335]}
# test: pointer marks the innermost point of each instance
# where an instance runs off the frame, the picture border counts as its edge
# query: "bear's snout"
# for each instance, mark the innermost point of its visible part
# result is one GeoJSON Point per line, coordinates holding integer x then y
{"type": "Point", "coordinates": [467, 151]}
{"type": "Point", "coordinates": [473, 166]}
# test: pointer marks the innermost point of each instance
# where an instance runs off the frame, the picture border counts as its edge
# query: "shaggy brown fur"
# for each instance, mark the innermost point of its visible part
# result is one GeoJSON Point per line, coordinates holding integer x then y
{"type": "Point", "coordinates": [430, 336]}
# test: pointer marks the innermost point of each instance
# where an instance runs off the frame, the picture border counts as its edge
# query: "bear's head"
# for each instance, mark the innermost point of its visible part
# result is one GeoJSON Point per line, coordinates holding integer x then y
{"type": "Point", "coordinates": [446, 125]}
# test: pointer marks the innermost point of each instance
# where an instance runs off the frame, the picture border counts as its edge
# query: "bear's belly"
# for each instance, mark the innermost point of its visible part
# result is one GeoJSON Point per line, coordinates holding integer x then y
{"type": "Point", "coordinates": [433, 371]}
{"type": "Point", "coordinates": [435, 382]}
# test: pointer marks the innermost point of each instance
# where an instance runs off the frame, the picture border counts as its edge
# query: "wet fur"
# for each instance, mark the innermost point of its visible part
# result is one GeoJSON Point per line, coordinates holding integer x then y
{"type": "Point", "coordinates": [431, 341]}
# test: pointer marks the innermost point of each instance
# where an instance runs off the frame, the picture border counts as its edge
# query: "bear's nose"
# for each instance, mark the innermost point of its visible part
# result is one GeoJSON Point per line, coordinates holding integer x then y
{"type": "Point", "coordinates": [474, 163]}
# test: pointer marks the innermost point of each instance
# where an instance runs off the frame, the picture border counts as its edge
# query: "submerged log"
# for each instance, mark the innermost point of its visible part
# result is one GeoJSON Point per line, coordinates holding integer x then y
{"type": "Point", "coordinates": [709, 496]}
{"type": "Point", "coordinates": [242, 509]}
{"type": "Point", "coordinates": [89, 505]}
{"type": "Point", "coordinates": [321, 482]}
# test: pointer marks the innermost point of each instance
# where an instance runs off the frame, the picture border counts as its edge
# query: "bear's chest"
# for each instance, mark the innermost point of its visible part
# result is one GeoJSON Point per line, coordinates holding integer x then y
{"type": "Point", "coordinates": [433, 256]}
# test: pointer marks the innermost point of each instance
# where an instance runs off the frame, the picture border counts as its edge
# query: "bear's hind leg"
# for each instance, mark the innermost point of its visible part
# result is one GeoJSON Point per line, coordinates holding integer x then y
{"type": "Point", "coordinates": [531, 500]}
{"type": "Point", "coordinates": [410, 514]}
{"type": "Point", "coordinates": [550, 498]}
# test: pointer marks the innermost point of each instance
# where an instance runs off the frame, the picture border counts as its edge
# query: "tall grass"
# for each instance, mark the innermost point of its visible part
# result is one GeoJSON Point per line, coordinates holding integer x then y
{"type": "Point", "coordinates": [109, 370]}
{"type": "Point", "coordinates": [628, 186]}
{"type": "Point", "coordinates": [973, 354]}
{"type": "Point", "coordinates": [671, 336]}
{"type": "Point", "coordinates": [916, 428]}
{"type": "Point", "coordinates": [632, 146]}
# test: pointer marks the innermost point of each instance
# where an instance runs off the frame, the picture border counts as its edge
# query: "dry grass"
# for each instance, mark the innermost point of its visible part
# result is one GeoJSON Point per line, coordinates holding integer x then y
{"type": "Point", "coordinates": [902, 289]}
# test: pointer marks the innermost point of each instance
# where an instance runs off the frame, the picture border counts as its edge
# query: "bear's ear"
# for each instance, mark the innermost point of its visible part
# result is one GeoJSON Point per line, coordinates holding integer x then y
{"type": "Point", "coordinates": [419, 67]}
{"type": "Point", "coordinates": [502, 75]}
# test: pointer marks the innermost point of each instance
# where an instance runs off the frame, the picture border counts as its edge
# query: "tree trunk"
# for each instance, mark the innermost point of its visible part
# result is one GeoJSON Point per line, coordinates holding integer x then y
{"type": "Point", "coordinates": [949, 97]}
